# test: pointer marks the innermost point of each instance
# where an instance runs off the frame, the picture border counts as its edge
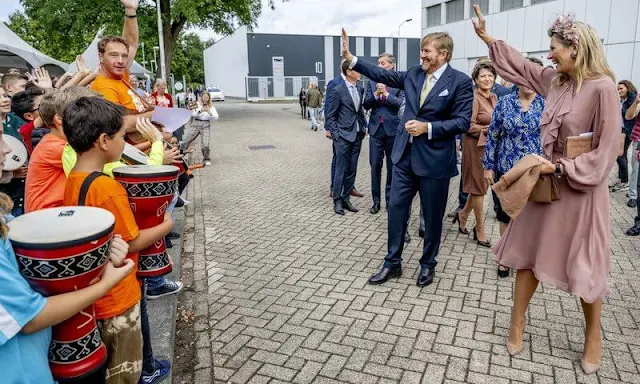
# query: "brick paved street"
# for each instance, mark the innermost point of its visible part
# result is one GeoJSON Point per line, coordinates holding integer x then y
{"type": "Point", "coordinates": [282, 295]}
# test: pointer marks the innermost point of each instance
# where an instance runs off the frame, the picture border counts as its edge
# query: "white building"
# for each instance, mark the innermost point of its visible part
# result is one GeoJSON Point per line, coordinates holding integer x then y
{"type": "Point", "coordinates": [524, 25]}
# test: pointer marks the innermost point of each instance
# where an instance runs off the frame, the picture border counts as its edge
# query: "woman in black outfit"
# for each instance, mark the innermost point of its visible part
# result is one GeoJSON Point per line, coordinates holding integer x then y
{"type": "Point", "coordinates": [628, 95]}
{"type": "Point", "coordinates": [303, 102]}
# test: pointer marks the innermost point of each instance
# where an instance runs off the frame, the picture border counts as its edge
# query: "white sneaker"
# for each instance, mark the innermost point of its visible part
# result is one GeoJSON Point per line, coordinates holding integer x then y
{"type": "Point", "coordinates": [186, 202]}
{"type": "Point", "coordinates": [208, 162]}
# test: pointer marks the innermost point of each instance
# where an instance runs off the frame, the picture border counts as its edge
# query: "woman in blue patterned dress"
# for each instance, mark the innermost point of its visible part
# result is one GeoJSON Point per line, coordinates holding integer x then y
{"type": "Point", "coordinates": [514, 132]}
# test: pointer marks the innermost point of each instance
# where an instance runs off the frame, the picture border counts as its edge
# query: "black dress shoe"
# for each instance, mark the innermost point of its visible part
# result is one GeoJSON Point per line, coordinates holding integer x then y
{"type": "Point", "coordinates": [375, 208]}
{"type": "Point", "coordinates": [633, 231]}
{"type": "Point", "coordinates": [425, 277]}
{"type": "Point", "coordinates": [407, 237]}
{"type": "Point", "coordinates": [421, 232]}
{"type": "Point", "coordinates": [168, 243]}
{"type": "Point", "coordinates": [385, 275]}
{"type": "Point", "coordinates": [632, 203]}
{"type": "Point", "coordinates": [348, 206]}
{"type": "Point", "coordinates": [337, 207]}
{"type": "Point", "coordinates": [173, 235]}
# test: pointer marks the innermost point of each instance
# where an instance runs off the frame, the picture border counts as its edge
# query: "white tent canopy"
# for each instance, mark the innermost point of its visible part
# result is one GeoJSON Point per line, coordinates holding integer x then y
{"type": "Point", "coordinates": [91, 58]}
{"type": "Point", "coordinates": [16, 53]}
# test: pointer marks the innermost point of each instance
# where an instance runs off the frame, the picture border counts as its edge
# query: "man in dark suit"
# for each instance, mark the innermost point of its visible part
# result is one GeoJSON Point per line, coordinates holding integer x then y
{"type": "Point", "coordinates": [330, 85]}
{"type": "Point", "coordinates": [384, 104]}
{"type": "Point", "coordinates": [344, 119]}
{"type": "Point", "coordinates": [438, 103]}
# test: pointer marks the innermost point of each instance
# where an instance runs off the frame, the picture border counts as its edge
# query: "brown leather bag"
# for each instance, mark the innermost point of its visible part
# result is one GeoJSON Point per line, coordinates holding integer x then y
{"type": "Point", "coordinates": [546, 190]}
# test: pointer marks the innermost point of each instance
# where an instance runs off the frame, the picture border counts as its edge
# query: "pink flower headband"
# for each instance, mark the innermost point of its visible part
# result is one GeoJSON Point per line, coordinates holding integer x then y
{"type": "Point", "coordinates": [564, 26]}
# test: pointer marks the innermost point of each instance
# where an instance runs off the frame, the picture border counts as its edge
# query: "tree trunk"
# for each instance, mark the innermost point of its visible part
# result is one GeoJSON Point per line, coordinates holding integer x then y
{"type": "Point", "coordinates": [171, 32]}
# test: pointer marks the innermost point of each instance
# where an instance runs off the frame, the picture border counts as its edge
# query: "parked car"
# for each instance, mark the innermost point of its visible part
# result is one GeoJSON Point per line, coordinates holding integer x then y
{"type": "Point", "coordinates": [216, 94]}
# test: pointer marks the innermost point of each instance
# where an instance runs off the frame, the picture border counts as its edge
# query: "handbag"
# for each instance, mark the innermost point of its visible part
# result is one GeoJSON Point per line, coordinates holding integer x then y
{"type": "Point", "coordinates": [546, 190]}
{"type": "Point", "coordinates": [579, 145]}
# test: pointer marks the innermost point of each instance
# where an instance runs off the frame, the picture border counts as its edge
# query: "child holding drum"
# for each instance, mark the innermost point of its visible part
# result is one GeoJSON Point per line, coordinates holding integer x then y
{"type": "Point", "coordinates": [26, 316]}
{"type": "Point", "coordinates": [94, 128]}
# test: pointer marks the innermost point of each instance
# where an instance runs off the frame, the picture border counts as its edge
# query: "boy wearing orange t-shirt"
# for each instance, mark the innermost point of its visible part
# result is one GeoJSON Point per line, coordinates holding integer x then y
{"type": "Point", "coordinates": [45, 177]}
{"type": "Point", "coordinates": [94, 129]}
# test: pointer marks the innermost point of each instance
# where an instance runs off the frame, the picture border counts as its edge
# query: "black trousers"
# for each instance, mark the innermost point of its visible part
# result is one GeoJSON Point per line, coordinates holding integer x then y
{"type": "Point", "coordinates": [623, 163]}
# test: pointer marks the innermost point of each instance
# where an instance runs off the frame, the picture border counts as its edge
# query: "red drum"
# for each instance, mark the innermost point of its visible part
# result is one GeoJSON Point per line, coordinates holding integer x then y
{"type": "Point", "coordinates": [61, 250]}
{"type": "Point", "coordinates": [133, 156]}
{"type": "Point", "coordinates": [151, 189]}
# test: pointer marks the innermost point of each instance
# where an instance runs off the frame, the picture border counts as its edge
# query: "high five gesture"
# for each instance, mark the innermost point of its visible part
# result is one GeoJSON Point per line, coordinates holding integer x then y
{"type": "Point", "coordinates": [345, 46]}
{"type": "Point", "coordinates": [479, 25]}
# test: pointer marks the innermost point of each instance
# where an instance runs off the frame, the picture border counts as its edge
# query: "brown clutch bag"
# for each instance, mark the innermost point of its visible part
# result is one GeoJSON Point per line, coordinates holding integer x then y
{"type": "Point", "coordinates": [575, 146]}
{"type": "Point", "coordinates": [545, 190]}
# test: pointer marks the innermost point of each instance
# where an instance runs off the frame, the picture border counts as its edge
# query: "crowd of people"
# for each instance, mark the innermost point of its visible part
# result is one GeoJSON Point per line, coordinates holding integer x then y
{"type": "Point", "coordinates": [514, 136]}
{"type": "Point", "coordinates": [75, 129]}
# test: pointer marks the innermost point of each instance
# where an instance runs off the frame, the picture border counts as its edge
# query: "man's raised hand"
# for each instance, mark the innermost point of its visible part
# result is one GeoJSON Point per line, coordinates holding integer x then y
{"type": "Point", "coordinates": [345, 46]}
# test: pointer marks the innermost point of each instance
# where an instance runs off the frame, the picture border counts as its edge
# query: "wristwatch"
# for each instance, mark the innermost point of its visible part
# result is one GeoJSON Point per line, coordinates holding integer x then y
{"type": "Point", "coordinates": [558, 171]}
{"type": "Point", "coordinates": [131, 16]}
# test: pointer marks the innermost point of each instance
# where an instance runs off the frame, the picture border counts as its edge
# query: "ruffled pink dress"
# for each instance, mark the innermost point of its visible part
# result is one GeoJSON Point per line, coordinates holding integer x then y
{"type": "Point", "coordinates": [566, 243]}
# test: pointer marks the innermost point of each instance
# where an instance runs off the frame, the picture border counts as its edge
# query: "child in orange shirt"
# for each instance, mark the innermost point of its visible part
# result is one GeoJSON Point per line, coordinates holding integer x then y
{"type": "Point", "coordinates": [94, 128]}
{"type": "Point", "coordinates": [45, 176]}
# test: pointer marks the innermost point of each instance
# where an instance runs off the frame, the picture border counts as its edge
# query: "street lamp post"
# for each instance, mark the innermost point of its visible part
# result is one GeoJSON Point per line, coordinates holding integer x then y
{"type": "Point", "coordinates": [144, 62]}
{"type": "Point", "coordinates": [155, 58]}
{"type": "Point", "coordinates": [401, 24]}
{"type": "Point", "coordinates": [163, 69]}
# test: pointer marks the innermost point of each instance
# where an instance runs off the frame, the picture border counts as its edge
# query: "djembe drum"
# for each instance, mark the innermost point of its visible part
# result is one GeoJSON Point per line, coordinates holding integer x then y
{"type": "Point", "coordinates": [60, 250]}
{"type": "Point", "coordinates": [151, 189]}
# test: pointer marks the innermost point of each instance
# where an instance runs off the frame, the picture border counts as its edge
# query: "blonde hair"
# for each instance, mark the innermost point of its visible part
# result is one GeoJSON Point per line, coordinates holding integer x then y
{"type": "Point", "coordinates": [6, 206]}
{"type": "Point", "coordinates": [54, 102]}
{"type": "Point", "coordinates": [590, 59]}
{"type": "Point", "coordinates": [443, 42]}
{"type": "Point", "coordinates": [160, 81]}
{"type": "Point", "coordinates": [209, 103]}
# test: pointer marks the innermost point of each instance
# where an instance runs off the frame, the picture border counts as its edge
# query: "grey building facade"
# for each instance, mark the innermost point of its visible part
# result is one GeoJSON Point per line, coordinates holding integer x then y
{"type": "Point", "coordinates": [263, 65]}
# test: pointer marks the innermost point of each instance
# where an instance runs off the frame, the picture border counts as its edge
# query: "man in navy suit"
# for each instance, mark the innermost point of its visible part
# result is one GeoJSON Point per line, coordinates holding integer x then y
{"type": "Point", "coordinates": [344, 118]}
{"type": "Point", "coordinates": [384, 104]}
{"type": "Point", "coordinates": [438, 103]}
{"type": "Point", "coordinates": [330, 85]}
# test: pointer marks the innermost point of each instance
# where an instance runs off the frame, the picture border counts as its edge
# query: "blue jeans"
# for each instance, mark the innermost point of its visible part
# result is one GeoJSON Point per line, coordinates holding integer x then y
{"type": "Point", "coordinates": [314, 115]}
{"type": "Point", "coordinates": [147, 351]}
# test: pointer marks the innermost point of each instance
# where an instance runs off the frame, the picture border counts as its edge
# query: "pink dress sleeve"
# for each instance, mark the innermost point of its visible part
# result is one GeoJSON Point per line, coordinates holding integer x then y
{"type": "Point", "coordinates": [514, 67]}
{"type": "Point", "coordinates": [588, 171]}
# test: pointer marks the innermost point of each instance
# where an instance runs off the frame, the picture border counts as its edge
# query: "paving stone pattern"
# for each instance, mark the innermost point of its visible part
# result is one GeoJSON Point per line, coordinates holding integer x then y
{"type": "Point", "coordinates": [282, 281]}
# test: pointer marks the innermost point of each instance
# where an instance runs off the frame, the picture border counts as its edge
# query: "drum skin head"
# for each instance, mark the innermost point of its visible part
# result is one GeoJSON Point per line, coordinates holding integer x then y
{"type": "Point", "coordinates": [60, 227]}
{"type": "Point", "coordinates": [18, 155]}
{"type": "Point", "coordinates": [147, 170]}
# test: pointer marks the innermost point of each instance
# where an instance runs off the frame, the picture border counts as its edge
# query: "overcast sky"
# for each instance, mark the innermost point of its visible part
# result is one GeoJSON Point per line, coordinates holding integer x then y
{"type": "Point", "coordinates": [359, 17]}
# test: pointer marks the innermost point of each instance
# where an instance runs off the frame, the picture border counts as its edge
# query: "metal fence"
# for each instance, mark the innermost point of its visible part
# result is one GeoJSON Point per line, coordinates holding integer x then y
{"type": "Point", "coordinates": [270, 88]}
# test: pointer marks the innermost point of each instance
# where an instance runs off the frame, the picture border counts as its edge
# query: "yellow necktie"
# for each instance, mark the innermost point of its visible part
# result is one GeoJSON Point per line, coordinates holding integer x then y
{"type": "Point", "coordinates": [425, 89]}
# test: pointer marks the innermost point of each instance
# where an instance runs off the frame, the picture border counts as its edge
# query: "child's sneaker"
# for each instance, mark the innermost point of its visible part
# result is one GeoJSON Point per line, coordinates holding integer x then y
{"type": "Point", "coordinates": [163, 367]}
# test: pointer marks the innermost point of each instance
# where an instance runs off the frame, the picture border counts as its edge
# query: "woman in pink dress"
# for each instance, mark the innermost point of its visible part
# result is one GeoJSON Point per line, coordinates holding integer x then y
{"type": "Point", "coordinates": [564, 243]}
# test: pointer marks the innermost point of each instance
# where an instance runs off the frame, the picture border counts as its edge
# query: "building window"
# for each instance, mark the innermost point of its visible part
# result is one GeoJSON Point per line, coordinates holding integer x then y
{"type": "Point", "coordinates": [506, 5]}
{"type": "Point", "coordinates": [455, 10]}
{"type": "Point", "coordinates": [375, 47]}
{"type": "Point", "coordinates": [534, 2]}
{"type": "Point", "coordinates": [434, 15]}
{"type": "Point", "coordinates": [484, 7]}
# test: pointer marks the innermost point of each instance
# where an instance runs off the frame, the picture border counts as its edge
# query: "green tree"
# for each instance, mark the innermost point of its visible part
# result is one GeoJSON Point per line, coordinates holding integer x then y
{"type": "Point", "coordinates": [188, 59]}
{"type": "Point", "coordinates": [63, 28]}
